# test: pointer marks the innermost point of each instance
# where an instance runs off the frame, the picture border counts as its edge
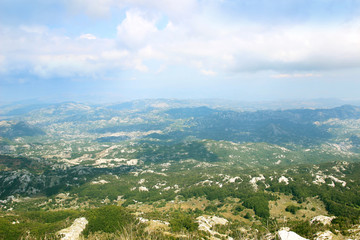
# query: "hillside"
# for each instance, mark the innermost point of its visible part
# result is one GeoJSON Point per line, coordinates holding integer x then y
{"type": "Point", "coordinates": [179, 171]}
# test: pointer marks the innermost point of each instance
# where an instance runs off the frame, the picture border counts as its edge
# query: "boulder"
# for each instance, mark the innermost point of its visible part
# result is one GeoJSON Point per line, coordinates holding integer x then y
{"type": "Point", "coordinates": [289, 235]}
{"type": "Point", "coordinates": [325, 220]}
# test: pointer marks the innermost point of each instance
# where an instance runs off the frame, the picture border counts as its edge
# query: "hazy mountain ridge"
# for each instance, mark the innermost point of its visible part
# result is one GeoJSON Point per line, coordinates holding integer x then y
{"type": "Point", "coordinates": [11, 129]}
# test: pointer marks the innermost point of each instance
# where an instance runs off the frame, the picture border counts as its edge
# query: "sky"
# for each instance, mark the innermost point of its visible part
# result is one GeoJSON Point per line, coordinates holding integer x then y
{"type": "Point", "coordinates": [118, 50]}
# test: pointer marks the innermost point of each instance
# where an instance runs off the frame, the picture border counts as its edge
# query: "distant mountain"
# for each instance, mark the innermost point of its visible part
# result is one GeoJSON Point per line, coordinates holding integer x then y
{"type": "Point", "coordinates": [69, 112]}
{"type": "Point", "coordinates": [231, 104]}
{"type": "Point", "coordinates": [67, 108]}
{"type": "Point", "coordinates": [190, 112]}
{"type": "Point", "coordinates": [280, 126]}
{"type": "Point", "coordinates": [18, 111]}
{"type": "Point", "coordinates": [180, 119]}
{"type": "Point", "coordinates": [295, 115]}
{"type": "Point", "coordinates": [10, 129]}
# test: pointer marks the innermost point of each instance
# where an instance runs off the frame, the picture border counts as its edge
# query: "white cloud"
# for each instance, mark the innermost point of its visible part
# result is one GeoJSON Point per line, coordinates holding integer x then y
{"type": "Point", "coordinates": [49, 54]}
{"type": "Point", "coordinates": [208, 72]}
{"type": "Point", "coordinates": [200, 41]}
{"type": "Point", "coordinates": [114, 55]}
{"type": "Point", "coordinates": [64, 65]}
{"type": "Point", "coordinates": [87, 36]}
{"type": "Point", "coordinates": [148, 52]}
{"type": "Point", "coordinates": [296, 75]}
{"type": "Point", "coordinates": [37, 29]}
{"type": "Point", "coordinates": [161, 68]}
{"type": "Point", "coordinates": [135, 30]}
{"type": "Point", "coordinates": [242, 46]}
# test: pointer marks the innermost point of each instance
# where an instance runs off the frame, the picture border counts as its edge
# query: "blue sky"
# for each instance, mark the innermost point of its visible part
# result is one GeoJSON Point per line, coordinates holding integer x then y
{"type": "Point", "coordinates": [116, 50]}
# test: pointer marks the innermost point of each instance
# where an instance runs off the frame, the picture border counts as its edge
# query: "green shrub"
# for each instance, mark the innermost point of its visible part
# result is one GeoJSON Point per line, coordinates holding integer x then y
{"type": "Point", "coordinates": [305, 229]}
{"type": "Point", "coordinates": [210, 208]}
{"type": "Point", "coordinates": [248, 216]}
{"type": "Point", "coordinates": [8, 230]}
{"type": "Point", "coordinates": [259, 204]}
{"type": "Point", "coordinates": [52, 216]}
{"type": "Point", "coordinates": [341, 223]}
{"type": "Point", "coordinates": [238, 208]}
{"type": "Point", "coordinates": [292, 208]}
{"type": "Point", "coordinates": [181, 221]}
{"type": "Point", "coordinates": [108, 219]}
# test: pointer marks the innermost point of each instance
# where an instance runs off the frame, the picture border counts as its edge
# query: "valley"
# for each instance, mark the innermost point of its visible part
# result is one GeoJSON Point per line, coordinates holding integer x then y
{"type": "Point", "coordinates": [166, 169]}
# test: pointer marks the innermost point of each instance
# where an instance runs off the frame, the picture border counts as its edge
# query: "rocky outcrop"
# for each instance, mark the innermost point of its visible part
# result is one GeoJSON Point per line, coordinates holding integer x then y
{"type": "Point", "coordinates": [327, 235]}
{"type": "Point", "coordinates": [27, 183]}
{"type": "Point", "coordinates": [325, 220]}
{"type": "Point", "coordinates": [286, 234]}
{"type": "Point", "coordinates": [207, 222]}
{"type": "Point", "coordinates": [74, 231]}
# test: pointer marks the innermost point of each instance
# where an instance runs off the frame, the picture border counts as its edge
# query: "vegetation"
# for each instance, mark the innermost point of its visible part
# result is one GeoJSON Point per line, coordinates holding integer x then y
{"type": "Point", "coordinates": [35, 223]}
{"type": "Point", "coordinates": [182, 222]}
{"type": "Point", "coordinates": [292, 208]}
{"type": "Point", "coordinates": [148, 173]}
{"type": "Point", "coordinates": [108, 219]}
{"type": "Point", "coordinates": [259, 204]}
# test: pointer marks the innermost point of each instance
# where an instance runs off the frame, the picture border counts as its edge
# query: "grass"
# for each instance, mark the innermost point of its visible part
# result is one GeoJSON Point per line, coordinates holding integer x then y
{"type": "Point", "coordinates": [277, 209]}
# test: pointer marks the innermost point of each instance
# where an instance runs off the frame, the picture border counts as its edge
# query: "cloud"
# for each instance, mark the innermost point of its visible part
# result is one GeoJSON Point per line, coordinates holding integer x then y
{"type": "Point", "coordinates": [296, 75]}
{"type": "Point", "coordinates": [48, 54]}
{"type": "Point", "coordinates": [135, 30]}
{"type": "Point", "coordinates": [208, 72]}
{"type": "Point", "coordinates": [64, 65]}
{"type": "Point", "coordinates": [87, 36]}
{"type": "Point", "coordinates": [194, 35]}
{"type": "Point", "coordinates": [36, 29]}
{"type": "Point", "coordinates": [114, 55]}
{"type": "Point", "coordinates": [243, 46]}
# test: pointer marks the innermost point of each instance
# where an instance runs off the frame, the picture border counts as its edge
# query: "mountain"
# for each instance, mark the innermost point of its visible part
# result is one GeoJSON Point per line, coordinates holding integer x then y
{"type": "Point", "coordinates": [10, 129]}
{"type": "Point", "coordinates": [179, 169]}
{"type": "Point", "coordinates": [285, 126]}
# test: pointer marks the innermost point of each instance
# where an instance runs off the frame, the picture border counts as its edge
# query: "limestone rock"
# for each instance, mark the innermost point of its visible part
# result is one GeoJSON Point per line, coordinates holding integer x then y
{"type": "Point", "coordinates": [322, 219]}
{"type": "Point", "coordinates": [289, 235]}
{"type": "Point", "coordinates": [74, 231]}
